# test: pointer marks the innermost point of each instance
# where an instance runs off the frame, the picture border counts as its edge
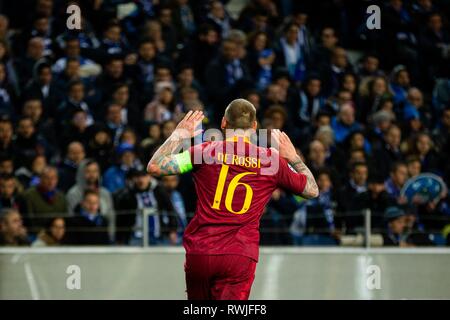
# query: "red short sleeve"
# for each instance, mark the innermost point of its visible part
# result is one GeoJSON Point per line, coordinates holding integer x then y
{"type": "Point", "coordinates": [289, 179]}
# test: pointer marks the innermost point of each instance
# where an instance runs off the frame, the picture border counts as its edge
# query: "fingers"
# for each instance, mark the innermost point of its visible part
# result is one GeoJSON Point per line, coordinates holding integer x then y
{"type": "Point", "coordinates": [275, 133]}
{"type": "Point", "coordinates": [194, 116]}
{"type": "Point", "coordinates": [285, 137]}
{"type": "Point", "coordinates": [187, 116]}
{"type": "Point", "coordinates": [198, 116]}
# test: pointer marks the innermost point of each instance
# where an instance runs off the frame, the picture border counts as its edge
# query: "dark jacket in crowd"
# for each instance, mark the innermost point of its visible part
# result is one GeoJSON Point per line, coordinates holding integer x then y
{"type": "Point", "coordinates": [82, 230]}
{"type": "Point", "coordinates": [126, 205]}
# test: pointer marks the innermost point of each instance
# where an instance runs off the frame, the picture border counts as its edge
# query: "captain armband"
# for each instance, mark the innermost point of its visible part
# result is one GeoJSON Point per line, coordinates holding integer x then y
{"type": "Point", "coordinates": [184, 161]}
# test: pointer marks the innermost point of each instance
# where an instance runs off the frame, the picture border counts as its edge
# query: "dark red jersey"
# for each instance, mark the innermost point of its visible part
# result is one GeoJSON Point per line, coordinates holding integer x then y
{"type": "Point", "coordinates": [234, 181]}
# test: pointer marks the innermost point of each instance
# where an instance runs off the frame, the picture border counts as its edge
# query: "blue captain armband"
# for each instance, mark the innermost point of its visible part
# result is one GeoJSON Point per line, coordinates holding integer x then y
{"type": "Point", "coordinates": [184, 161]}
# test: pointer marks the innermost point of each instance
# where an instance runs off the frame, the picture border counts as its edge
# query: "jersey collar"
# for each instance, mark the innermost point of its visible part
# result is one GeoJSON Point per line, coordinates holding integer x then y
{"type": "Point", "coordinates": [237, 138]}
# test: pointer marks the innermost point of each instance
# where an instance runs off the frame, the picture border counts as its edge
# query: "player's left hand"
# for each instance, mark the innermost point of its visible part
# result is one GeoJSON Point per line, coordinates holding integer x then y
{"type": "Point", "coordinates": [285, 146]}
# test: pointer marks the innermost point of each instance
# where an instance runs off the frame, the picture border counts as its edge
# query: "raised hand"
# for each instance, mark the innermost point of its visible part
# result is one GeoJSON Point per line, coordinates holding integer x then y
{"type": "Point", "coordinates": [188, 127]}
{"type": "Point", "coordinates": [285, 146]}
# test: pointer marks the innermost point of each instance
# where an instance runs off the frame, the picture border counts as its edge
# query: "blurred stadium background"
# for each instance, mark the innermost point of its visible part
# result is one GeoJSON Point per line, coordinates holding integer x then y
{"type": "Point", "coordinates": [81, 112]}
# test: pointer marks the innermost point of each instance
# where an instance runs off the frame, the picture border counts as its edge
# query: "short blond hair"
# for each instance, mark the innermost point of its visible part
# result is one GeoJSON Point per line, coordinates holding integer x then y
{"type": "Point", "coordinates": [240, 114]}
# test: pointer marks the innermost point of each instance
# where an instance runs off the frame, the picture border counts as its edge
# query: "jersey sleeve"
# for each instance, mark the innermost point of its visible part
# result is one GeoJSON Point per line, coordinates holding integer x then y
{"type": "Point", "coordinates": [289, 179]}
{"type": "Point", "coordinates": [197, 153]}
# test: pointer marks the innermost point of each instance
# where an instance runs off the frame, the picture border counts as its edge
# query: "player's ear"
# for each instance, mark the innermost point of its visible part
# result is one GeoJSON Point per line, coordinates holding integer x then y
{"type": "Point", "coordinates": [223, 124]}
{"type": "Point", "coordinates": [255, 125]}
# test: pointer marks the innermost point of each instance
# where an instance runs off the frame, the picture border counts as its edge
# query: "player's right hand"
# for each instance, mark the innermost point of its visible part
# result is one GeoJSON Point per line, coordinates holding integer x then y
{"type": "Point", "coordinates": [189, 127]}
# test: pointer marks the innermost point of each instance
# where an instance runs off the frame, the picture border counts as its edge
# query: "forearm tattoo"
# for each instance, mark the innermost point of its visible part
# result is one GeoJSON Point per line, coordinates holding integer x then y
{"type": "Point", "coordinates": [311, 190]}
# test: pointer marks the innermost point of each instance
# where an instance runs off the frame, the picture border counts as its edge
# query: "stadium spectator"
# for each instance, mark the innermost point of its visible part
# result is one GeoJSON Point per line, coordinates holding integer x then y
{"type": "Point", "coordinates": [201, 50]}
{"type": "Point", "coordinates": [100, 147]}
{"type": "Point", "coordinates": [396, 223]}
{"type": "Point", "coordinates": [389, 152]}
{"type": "Point", "coordinates": [88, 226]}
{"type": "Point", "coordinates": [6, 137]}
{"type": "Point", "coordinates": [316, 220]}
{"type": "Point", "coordinates": [400, 83]}
{"type": "Point", "coordinates": [33, 109]}
{"type": "Point", "coordinates": [73, 51]}
{"type": "Point", "coordinates": [88, 177]}
{"type": "Point", "coordinates": [52, 235]}
{"type": "Point", "coordinates": [354, 197]}
{"type": "Point", "coordinates": [311, 102]}
{"type": "Point", "coordinates": [162, 107]}
{"type": "Point", "coordinates": [9, 192]}
{"type": "Point", "coordinates": [322, 52]}
{"type": "Point", "coordinates": [30, 177]}
{"type": "Point", "coordinates": [230, 71]}
{"type": "Point", "coordinates": [40, 202]}
{"type": "Point", "coordinates": [398, 177]}
{"type": "Point", "coordinates": [415, 233]}
{"type": "Point", "coordinates": [68, 168]}
{"type": "Point", "coordinates": [219, 18]}
{"type": "Point", "coordinates": [25, 64]}
{"type": "Point", "coordinates": [75, 100]}
{"type": "Point", "coordinates": [414, 166]}
{"type": "Point", "coordinates": [441, 133]}
{"type": "Point", "coordinates": [422, 147]}
{"type": "Point", "coordinates": [260, 59]}
{"type": "Point", "coordinates": [145, 194]}
{"type": "Point", "coordinates": [170, 185]}
{"type": "Point", "coordinates": [378, 201]}
{"type": "Point", "coordinates": [44, 87]}
{"type": "Point", "coordinates": [76, 130]}
{"type": "Point", "coordinates": [12, 230]}
{"type": "Point", "coordinates": [28, 143]}
{"type": "Point", "coordinates": [344, 123]}
{"type": "Point", "coordinates": [114, 177]}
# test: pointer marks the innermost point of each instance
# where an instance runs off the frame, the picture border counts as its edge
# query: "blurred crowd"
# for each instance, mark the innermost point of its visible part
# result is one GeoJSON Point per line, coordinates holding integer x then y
{"type": "Point", "coordinates": [82, 111]}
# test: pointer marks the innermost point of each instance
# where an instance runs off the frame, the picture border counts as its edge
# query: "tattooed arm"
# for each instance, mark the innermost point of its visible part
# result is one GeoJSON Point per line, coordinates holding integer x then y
{"type": "Point", "coordinates": [165, 160]}
{"type": "Point", "coordinates": [287, 151]}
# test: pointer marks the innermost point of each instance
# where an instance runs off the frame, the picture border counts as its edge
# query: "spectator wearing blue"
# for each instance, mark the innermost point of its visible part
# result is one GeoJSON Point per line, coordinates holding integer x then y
{"type": "Point", "coordinates": [311, 101]}
{"type": "Point", "coordinates": [144, 194]}
{"type": "Point", "coordinates": [88, 226]}
{"type": "Point", "coordinates": [412, 119]}
{"type": "Point", "coordinates": [400, 83]}
{"type": "Point", "coordinates": [344, 123]}
{"type": "Point", "coordinates": [88, 178]}
{"type": "Point", "coordinates": [315, 221]}
{"type": "Point", "coordinates": [397, 179]}
{"type": "Point", "coordinates": [403, 229]}
{"type": "Point", "coordinates": [260, 59]}
{"type": "Point", "coordinates": [415, 100]}
{"type": "Point", "coordinates": [114, 178]}
{"type": "Point", "coordinates": [113, 43]}
{"type": "Point", "coordinates": [72, 50]}
{"type": "Point", "coordinates": [396, 223]}
{"type": "Point", "coordinates": [170, 185]}
{"type": "Point", "coordinates": [289, 53]}
{"type": "Point", "coordinates": [219, 18]}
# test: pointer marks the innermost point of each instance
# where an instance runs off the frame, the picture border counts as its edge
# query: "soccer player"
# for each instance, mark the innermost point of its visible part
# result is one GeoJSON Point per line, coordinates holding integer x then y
{"type": "Point", "coordinates": [234, 180]}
